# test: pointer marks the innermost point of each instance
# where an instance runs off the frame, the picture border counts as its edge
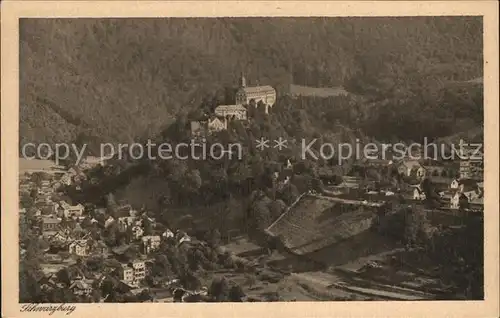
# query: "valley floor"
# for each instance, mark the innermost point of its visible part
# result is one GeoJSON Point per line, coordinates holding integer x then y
{"type": "Point", "coordinates": [387, 275]}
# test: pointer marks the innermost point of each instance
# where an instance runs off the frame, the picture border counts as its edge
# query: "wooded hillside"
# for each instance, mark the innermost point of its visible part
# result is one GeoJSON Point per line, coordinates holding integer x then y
{"type": "Point", "coordinates": [118, 80]}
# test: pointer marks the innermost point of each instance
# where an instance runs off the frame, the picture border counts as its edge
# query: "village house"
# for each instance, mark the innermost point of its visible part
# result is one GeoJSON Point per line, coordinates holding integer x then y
{"type": "Point", "coordinates": [56, 186]}
{"type": "Point", "coordinates": [81, 287]}
{"type": "Point", "coordinates": [124, 210]}
{"type": "Point", "coordinates": [216, 124]}
{"type": "Point", "coordinates": [100, 248]}
{"type": "Point", "coordinates": [198, 128]}
{"type": "Point", "coordinates": [90, 162]}
{"type": "Point", "coordinates": [26, 187]}
{"type": "Point", "coordinates": [168, 234]}
{"type": "Point", "coordinates": [78, 179]}
{"type": "Point", "coordinates": [458, 200]}
{"type": "Point", "coordinates": [47, 208]}
{"type": "Point", "coordinates": [149, 264]}
{"type": "Point", "coordinates": [473, 194]}
{"type": "Point", "coordinates": [202, 128]}
{"type": "Point", "coordinates": [109, 221]}
{"type": "Point", "coordinates": [49, 283]}
{"type": "Point", "coordinates": [253, 95]}
{"type": "Point", "coordinates": [36, 211]}
{"type": "Point", "coordinates": [350, 182]}
{"type": "Point", "coordinates": [409, 167]}
{"type": "Point", "coordinates": [66, 179]}
{"type": "Point", "coordinates": [60, 237]}
{"type": "Point", "coordinates": [150, 220]}
{"type": "Point", "coordinates": [100, 211]}
{"type": "Point", "coordinates": [72, 171]}
{"type": "Point", "coordinates": [139, 270]}
{"type": "Point", "coordinates": [471, 163]}
{"type": "Point", "coordinates": [435, 171]}
{"type": "Point", "coordinates": [126, 273]}
{"type": "Point", "coordinates": [377, 162]}
{"type": "Point", "coordinates": [471, 169]}
{"type": "Point", "coordinates": [125, 222]}
{"type": "Point", "coordinates": [70, 211]}
{"type": "Point", "coordinates": [137, 232]}
{"type": "Point", "coordinates": [45, 191]}
{"type": "Point", "coordinates": [454, 200]}
{"type": "Point", "coordinates": [467, 185]}
{"type": "Point", "coordinates": [466, 188]}
{"type": "Point", "coordinates": [184, 238]}
{"type": "Point", "coordinates": [150, 243]}
{"type": "Point", "coordinates": [45, 184]}
{"type": "Point", "coordinates": [75, 174]}
{"type": "Point", "coordinates": [477, 203]}
{"type": "Point", "coordinates": [50, 224]}
{"type": "Point", "coordinates": [133, 273]}
{"type": "Point", "coordinates": [44, 199]}
{"type": "Point", "coordinates": [79, 247]}
{"type": "Point", "coordinates": [235, 112]}
{"type": "Point", "coordinates": [440, 183]}
{"type": "Point", "coordinates": [418, 194]}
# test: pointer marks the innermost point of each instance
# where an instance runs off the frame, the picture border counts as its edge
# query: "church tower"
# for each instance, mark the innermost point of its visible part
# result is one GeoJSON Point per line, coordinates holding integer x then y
{"type": "Point", "coordinates": [243, 81]}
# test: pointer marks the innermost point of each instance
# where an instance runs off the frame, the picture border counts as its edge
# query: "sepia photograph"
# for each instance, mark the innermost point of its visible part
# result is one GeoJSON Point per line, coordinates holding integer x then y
{"type": "Point", "coordinates": [242, 159]}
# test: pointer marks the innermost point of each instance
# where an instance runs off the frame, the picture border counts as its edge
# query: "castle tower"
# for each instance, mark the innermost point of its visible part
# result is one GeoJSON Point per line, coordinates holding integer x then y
{"type": "Point", "coordinates": [243, 81]}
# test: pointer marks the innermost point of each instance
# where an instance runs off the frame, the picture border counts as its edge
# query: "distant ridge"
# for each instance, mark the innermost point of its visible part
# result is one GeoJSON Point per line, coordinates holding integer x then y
{"type": "Point", "coordinates": [300, 90]}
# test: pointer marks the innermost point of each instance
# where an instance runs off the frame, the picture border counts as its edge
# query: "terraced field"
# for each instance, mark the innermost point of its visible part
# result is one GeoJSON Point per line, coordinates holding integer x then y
{"type": "Point", "coordinates": [316, 222]}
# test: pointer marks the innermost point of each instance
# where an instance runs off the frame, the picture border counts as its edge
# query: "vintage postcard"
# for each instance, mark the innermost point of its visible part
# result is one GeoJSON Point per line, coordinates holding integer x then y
{"type": "Point", "coordinates": [250, 159]}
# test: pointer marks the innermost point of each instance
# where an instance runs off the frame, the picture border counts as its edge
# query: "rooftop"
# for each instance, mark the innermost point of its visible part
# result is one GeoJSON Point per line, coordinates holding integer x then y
{"type": "Point", "coordinates": [230, 108]}
{"type": "Point", "coordinates": [51, 220]}
{"type": "Point", "coordinates": [259, 89]}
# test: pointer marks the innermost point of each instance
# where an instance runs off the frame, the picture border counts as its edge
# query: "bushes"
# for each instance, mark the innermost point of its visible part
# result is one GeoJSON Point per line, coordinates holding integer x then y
{"type": "Point", "coordinates": [409, 225]}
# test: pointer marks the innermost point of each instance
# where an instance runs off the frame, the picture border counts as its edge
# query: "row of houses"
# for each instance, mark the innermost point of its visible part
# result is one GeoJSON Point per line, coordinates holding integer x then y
{"type": "Point", "coordinates": [463, 167]}
{"type": "Point", "coordinates": [458, 193]}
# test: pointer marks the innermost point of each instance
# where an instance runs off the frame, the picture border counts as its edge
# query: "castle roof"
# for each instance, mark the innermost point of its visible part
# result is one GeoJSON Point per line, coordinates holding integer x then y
{"type": "Point", "coordinates": [259, 89]}
{"type": "Point", "coordinates": [230, 108]}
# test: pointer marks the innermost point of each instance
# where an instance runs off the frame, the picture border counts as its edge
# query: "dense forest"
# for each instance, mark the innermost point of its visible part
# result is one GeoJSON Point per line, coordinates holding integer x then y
{"type": "Point", "coordinates": [122, 80]}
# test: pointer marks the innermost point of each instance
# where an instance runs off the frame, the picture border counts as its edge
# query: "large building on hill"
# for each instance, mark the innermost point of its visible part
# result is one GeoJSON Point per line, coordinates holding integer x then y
{"type": "Point", "coordinates": [238, 112]}
{"type": "Point", "coordinates": [253, 95]}
{"type": "Point", "coordinates": [202, 128]}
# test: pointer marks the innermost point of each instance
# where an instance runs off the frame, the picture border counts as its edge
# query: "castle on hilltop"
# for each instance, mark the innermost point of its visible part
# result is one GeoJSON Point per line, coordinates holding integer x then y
{"type": "Point", "coordinates": [253, 95]}
{"type": "Point", "coordinates": [246, 98]}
